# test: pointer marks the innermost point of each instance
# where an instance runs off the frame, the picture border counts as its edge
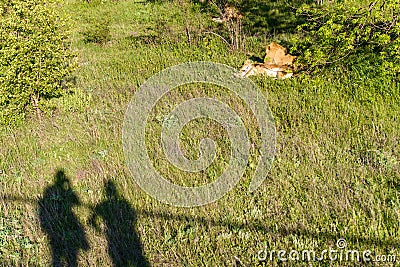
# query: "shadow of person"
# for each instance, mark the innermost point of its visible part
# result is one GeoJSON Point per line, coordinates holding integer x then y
{"type": "Point", "coordinates": [58, 221]}
{"type": "Point", "coordinates": [124, 246]}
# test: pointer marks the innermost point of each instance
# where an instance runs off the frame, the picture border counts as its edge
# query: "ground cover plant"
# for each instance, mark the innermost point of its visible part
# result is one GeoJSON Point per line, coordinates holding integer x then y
{"type": "Point", "coordinates": [335, 175]}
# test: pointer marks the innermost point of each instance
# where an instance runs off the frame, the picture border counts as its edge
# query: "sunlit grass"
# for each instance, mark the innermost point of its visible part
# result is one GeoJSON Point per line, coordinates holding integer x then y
{"type": "Point", "coordinates": [336, 172]}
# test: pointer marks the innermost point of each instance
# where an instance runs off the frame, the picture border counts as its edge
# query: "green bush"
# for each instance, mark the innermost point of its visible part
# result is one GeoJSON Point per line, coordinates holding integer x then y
{"type": "Point", "coordinates": [35, 57]}
{"type": "Point", "coordinates": [98, 31]}
{"type": "Point", "coordinates": [337, 33]}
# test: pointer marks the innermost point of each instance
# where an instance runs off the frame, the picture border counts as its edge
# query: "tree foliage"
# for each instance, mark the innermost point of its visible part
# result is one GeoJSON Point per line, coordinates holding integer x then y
{"type": "Point", "coordinates": [336, 32]}
{"type": "Point", "coordinates": [35, 56]}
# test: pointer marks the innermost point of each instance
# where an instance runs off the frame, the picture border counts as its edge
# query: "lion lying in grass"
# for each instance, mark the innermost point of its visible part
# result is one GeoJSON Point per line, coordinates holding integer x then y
{"type": "Point", "coordinates": [277, 64]}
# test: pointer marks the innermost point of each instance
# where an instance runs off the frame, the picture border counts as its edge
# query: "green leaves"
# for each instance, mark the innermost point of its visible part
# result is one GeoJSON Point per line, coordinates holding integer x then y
{"type": "Point", "coordinates": [34, 56]}
{"type": "Point", "coordinates": [334, 32]}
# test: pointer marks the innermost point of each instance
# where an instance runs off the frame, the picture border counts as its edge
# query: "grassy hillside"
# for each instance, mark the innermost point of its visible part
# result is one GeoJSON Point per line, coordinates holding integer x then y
{"type": "Point", "coordinates": [336, 173]}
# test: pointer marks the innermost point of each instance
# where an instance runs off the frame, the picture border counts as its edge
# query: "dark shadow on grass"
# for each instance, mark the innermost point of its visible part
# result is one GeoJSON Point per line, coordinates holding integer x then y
{"type": "Point", "coordinates": [120, 219]}
{"type": "Point", "coordinates": [229, 224]}
{"type": "Point", "coordinates": [57, 220]}
{"type": "Point", "coordinates": [143, 39]}
{"type": "Point", "coordinates": [261, 17]}
{"type": "Point", "coordinates": [262, 228]}
{"type": "Point", "coordinates": [270, 17]}
{"type": "Point", "coordinates": [124, 246]}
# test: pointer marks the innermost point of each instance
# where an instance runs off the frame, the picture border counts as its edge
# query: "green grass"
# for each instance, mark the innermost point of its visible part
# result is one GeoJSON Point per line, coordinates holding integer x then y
{"type": "Point", "coordinates": [336, 172]}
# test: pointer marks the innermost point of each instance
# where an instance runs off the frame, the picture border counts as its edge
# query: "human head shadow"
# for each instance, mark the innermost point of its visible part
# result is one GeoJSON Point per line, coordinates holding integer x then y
{"type": "Point", "coordinates": [64, 231]}
{"type": "Point", "coordinates": [124, 245]}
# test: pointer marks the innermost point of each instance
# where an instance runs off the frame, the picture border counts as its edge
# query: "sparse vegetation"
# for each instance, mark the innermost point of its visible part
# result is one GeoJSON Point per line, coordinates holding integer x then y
{"type": "Point", "coordinates": [336, 172]}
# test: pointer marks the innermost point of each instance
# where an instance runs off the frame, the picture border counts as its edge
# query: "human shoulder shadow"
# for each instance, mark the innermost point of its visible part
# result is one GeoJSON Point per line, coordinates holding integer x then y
{"type": "Point", "coordinates": [119, 217]}
{"type": "Point", "coordinates": [64, 231]}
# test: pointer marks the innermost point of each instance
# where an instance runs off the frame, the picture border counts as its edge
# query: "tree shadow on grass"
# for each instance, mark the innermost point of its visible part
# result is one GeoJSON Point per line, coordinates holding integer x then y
{"type": "Point", "coordinates": [57, 220]}
{"type": "Point", "coordinates": [262, 228]}
{"type": "Point", "coordinates": [124, 246]}
{"type": "Point", "coordinates": [270, 17]}
{"type": "Point", "coordinates": [261, 17]}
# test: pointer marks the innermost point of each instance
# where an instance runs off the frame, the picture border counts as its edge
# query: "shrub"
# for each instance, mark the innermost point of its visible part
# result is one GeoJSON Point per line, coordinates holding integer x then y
{"type": "Point", "coordinates": [35, 58]}
{"type": "Point", "coordinates": [98, 31]}
{"type": "Point", "coordinates": [334, 32]}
